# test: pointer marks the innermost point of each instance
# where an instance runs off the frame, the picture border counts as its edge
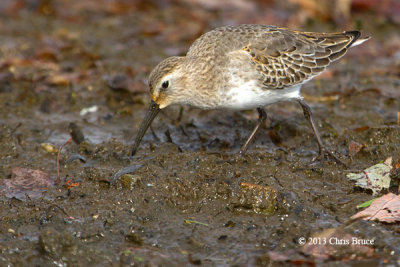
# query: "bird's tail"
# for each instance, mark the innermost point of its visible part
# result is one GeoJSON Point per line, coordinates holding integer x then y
{"type": "Point", "coordinates": [360, 41]}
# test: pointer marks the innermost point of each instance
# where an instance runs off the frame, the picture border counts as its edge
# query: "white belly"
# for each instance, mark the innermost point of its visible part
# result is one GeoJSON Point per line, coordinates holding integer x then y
{"type": "Point", "coordinates": [250, 96]}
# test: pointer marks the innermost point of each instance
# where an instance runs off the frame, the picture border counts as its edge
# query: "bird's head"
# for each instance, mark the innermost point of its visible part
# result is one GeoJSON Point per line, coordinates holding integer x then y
{"type": "Point", "coordinates": [167, 82]}
{"type": "Point", "coordinates": [167, 87]}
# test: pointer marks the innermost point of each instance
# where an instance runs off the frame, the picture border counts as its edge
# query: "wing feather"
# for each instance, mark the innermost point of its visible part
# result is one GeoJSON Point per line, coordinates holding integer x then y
{"type": "Point", "coordinates": [287, 58]}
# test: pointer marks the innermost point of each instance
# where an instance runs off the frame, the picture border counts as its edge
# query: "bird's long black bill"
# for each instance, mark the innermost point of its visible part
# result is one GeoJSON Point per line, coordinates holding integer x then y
{"type": "Point", "coordinates": [154, 109]}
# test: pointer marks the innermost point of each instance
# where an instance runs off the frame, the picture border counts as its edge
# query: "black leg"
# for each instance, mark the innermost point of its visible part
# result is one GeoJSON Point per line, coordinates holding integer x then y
{"type": "Point", "coordinates": [322, 150]}
{"type": "Point", "coordinates": [262, 116]}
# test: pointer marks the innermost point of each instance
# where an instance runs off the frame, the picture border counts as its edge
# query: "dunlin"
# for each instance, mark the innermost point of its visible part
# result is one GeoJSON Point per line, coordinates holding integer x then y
{"type": "Point", "coordinates": [246, 67]}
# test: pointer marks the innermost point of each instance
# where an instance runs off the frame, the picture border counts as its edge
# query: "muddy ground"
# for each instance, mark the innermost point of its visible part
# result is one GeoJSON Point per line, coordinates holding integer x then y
{"type": "Point", "coordinates": [188, 198]}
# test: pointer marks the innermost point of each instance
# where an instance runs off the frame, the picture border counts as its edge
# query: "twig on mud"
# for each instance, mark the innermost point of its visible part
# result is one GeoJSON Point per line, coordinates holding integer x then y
{"type": "Point", "coordinates": [52, 206]}
{"type": "Point", "coordinates": [366, 203]}
{"type": "Point", "coordinates": [187, 221]}
{"type": "Point", "coordinates": [20, 124]}
{"type": "Point", "coordinates": [58, 159]}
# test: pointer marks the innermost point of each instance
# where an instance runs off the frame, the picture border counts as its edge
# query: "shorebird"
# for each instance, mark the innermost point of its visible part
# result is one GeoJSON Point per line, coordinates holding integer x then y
{"type": "Point", "coordinates": [246, 67]}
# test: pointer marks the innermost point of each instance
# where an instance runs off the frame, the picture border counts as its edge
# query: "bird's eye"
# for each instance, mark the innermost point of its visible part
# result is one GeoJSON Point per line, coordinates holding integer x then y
{"type": "Point", "coordinates": [165, 84]}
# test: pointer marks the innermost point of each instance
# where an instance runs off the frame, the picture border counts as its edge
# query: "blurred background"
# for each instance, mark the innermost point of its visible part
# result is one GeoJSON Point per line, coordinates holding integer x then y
{"type": "Point", "coordinates": [131, 36]}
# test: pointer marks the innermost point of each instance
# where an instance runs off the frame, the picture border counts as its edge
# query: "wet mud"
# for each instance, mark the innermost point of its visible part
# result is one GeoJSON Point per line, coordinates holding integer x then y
{"type": "Point", "coordinates": [186, 197]}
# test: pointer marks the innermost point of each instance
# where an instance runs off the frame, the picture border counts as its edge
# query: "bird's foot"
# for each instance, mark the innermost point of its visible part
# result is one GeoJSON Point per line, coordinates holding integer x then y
{"type": "Point", "coordinates": [326, 154]}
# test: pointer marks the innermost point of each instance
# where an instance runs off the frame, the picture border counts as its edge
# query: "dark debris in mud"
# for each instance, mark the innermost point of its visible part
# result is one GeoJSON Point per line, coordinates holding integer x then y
{"type": "Point", "coordinates": [186, 198]}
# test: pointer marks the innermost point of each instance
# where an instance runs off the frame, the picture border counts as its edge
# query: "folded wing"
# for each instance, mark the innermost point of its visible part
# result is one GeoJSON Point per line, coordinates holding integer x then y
{"type": "Point", "coordinates": [287, 58]}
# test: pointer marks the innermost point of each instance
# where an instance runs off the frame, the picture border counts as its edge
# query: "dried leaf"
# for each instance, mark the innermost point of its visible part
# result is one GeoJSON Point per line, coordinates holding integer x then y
{"type": "Point", "coordinates": [69, 184]}
{"type": "Point", "coordinates": [290, 256]}
{"type": "Point", "coordinates": [314, 8]}
{"type": "Point", "coordinates": [341, 12]}
{"type": "Point", "coordinates": [354, 148]}
{"type": "Point", "coordinates": [58, 79]}
{"type": "Point", "coordinates": [65, 78]}
{"type": "Point", "coordinates": [46, 55]}
{"type": "Point", "coordinates": [376, 177]}
{"type": "Point", "coordinates": [239, 4]}
{"type": "Point", "coordinates": [26, 181]}
{"type": "Point", "coordinates": [361, 129]}
{"type": "Point", "coordinates": [384, 209]}
{"type": "Point", "coordinates": [397, 165]}
{"type": "Point", "coordinates": [389, 8]}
